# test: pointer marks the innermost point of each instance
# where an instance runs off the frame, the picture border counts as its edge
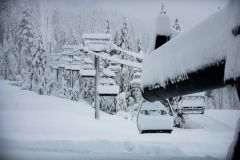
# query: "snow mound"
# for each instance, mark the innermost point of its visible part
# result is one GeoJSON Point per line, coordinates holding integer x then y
{"type": "Point", "coordinates": [209, 42]}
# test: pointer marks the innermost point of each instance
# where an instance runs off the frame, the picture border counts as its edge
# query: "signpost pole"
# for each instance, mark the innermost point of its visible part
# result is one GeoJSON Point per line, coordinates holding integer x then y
{"type": "Point", "coordinates": [96, 95]}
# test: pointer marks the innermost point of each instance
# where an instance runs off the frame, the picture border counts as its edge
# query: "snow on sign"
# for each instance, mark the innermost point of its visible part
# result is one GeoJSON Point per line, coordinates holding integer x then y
{"type": "Point", "coordinates": [97, 42]}
{"type": "Point", "coordinates": [205, 57]}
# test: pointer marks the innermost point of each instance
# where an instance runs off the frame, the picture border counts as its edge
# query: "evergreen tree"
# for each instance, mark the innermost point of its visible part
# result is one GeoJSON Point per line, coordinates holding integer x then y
{"type": "Point", "coordinates": [107, 27]}
{"type": "Point", "coordinates": [38, 69]}
{"type": "Point", "coordinates": [176, 25]}
{"type": "Point", "coordinates": [59, 33]}
{"type": "Point", "coordinates": [124, 40]}
{"type": "Point", "coordinates": [26, 38]}
{"type": "Point", "coordinates": [139, 45]}
{"type": "Point", "coordinates": [10, 58]}
{"type": "Point", "coordinates": [76, 91]}
{"type": "Point", "coordinates": [163, 11]}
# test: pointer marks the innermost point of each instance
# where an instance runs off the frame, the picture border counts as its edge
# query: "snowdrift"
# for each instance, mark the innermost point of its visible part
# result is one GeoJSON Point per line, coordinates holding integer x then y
{"type": "Point", "coordinates": [205, 57]}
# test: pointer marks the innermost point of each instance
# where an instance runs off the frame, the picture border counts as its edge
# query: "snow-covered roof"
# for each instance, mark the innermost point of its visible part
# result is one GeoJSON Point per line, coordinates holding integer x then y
{"type": "Point", "coordinates": [207, 43]}
{"type": "Point", "coordinates": [87, 72]}
{"type": "Point", "coordinates": [103, 89]}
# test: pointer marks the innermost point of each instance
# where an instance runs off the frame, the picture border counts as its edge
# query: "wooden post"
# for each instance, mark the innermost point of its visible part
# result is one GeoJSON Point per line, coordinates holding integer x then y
{"type": "Point", "coordinates": [71, 71]}
{"type": "Point", "coordinates": [96, 96]}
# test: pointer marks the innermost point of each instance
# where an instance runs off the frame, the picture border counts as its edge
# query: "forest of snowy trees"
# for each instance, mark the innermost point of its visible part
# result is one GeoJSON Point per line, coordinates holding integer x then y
{"type": "Point", "coordinates": [28, 37]}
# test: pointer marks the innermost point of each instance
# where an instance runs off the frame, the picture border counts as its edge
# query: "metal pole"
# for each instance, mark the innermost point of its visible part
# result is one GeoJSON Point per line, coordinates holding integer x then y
{"type": "Point", "coordinates": [96, 96]}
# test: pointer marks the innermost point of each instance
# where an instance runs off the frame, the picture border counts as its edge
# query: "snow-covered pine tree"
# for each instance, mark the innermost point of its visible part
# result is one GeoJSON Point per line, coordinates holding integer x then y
{"type": "Point", "coordinates": [123, 40]}
{"type": "Point", "coordinates": [58, 32]}
{"type": "Point", "coordinates": [51, 86]}
{"type": "Point", "coordinates": [176, 25]}
{"type": "Point", "coordinates": [6, 63]}
{"type": "Point", "coordinates": [107, 104]}
{"type": "Point", "coordinates": [26, 43]}
{"type": "Point", "coordinates": [76, 91]}
{"type": "Point", "coordinates": [26, 38]}
{"type": "Point", "coordinates": [38, 69]}
{"type": "Point", "coordinates": [10, 57]}
{"type": "Point", "coordinates": [87, 88]}
{"type": "Point", "coordinates": [163, 11]}
{"type": "Point", "coordinates": [139, 49]}
{"type": "Point", "coordinates": [107, 27]}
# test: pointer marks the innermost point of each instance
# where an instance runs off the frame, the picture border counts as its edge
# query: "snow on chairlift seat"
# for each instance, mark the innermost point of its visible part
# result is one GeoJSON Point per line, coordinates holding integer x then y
{"type": "Point", "coordinates": [108, 90]}
{"type": "Point", "coordinates": [137, 75]}
{"type": "Point", "coordinates": [68, 47]}
{"type": "Point", "coordinates": [104, 90]}
{"type": "Point", "coordinates": [136, 82]}
{"type": "Point", "coordinates": [87, 73]}
{"type": "Point", "coordinates": [115, 67]}
{"type": "Point", "coordinates": [97, 41]}
{"type": "Point", "coordinates": [87, 66]}
{"type": "Point", "coordinates": [77, 58]}
{"type": "Point", "coordinates": [204, 57]}
{"type": "Point", "coordinates": [193, 103]}
{"type": "Point", "coordinates": [106, 81]}
{"type": "Point", "coordinates": [88, 60]}
{"type": "Point", "coordinates": [108, 73]}
{"type": "Point", "coordinates": [73, 67]}
{"type": "Point", "coordinates": [107, 86]}
{"type": "Point", "coordinates": [65, 59]}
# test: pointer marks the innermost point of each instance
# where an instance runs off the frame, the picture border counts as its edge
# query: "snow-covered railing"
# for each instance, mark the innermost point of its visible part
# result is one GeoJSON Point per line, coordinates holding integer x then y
{"type": "Point", "coordinates": [114, 59]}
{"type": "Point", "coordinates": [133, 54]}
{"type": "Point", "coordinates": [205, 57]}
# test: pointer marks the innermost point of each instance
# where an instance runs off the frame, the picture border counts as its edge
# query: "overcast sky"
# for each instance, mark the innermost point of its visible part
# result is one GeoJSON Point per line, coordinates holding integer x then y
{"type": "Point", "coordinates": [189, 12]}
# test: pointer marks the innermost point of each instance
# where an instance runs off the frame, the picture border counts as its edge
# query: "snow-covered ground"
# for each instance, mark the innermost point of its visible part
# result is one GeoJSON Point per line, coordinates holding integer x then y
{"type": "Point", "coordinates": [46, 127]}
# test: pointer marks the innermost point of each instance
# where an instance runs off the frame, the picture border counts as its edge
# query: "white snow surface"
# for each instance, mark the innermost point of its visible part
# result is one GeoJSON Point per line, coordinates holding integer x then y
{"type": "Point", "coordinates": [108, 72]}
{"type": "Point", "coordinates": [108, 89]}
{"type": "Point", "coordinates": [73, 67]}
{"type": "Point", "coordinates": [47, 127]}
{"type": "Point", "coordinates": [104, 80]}
{"type": "Point", "coordinates": [203, 45]}
{"type": "Point", "coordinates": [87, 72]}
{"type": "Point", "coordinates": [136, 81]}
{"type": "Point", "coordinates": [163, 25]}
